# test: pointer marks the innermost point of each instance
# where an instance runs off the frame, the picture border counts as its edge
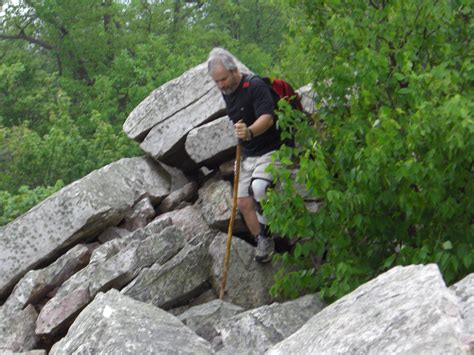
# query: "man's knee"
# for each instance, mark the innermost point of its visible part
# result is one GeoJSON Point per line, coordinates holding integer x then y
{"type": "Point", "coordinates": [259, 188]}
{"type": "Point", "coordinates": [245, 204]}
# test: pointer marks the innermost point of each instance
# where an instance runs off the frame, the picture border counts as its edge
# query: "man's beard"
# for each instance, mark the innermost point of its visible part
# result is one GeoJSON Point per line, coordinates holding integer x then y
{"type": "Point", "coordinates": [232, 89]}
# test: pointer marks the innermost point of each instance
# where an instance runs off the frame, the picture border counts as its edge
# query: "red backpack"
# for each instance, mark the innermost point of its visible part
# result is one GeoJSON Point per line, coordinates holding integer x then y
{"type": "Point", "coordinates": [282, 89]}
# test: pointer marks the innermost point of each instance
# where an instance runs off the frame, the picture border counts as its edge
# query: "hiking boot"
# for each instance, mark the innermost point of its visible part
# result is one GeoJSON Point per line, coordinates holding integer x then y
{"type": "Point", "coordinates": [265, 249]}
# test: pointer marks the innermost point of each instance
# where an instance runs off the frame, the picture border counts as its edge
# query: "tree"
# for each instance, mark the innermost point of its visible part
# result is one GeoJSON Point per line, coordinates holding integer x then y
{"type": "Point", "coordinates": [392, 153]}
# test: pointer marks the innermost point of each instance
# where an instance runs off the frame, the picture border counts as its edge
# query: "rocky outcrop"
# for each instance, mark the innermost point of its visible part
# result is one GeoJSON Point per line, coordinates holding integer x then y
{"type": "Point", "coordinates": [407, 310]}
{"type": "Point", "coordinates": [129, 260]}
{"type": "Point", "coordinates": [75, 213]}
{"type": "Point", "coordinates": [114, 272]}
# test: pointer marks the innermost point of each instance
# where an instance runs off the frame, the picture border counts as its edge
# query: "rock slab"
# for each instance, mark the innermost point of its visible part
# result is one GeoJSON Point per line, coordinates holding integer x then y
{"type": "Point", "coordinates": [77, 211]}
{"type": "Point", "coordinates": [407, 310]}
{"type": "Point", "coordinates": [116, 324]}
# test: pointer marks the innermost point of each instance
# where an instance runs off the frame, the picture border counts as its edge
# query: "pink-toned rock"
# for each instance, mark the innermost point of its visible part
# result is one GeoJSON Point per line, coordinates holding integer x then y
{"type": "Point", "coordinates": [54, 315]}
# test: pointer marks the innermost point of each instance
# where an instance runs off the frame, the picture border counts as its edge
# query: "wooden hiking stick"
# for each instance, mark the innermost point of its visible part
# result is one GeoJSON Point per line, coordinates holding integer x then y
{"type": "Point", "coordinates": [231, 222]}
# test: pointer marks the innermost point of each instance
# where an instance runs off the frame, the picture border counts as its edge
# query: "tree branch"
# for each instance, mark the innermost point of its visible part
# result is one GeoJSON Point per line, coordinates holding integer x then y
{"type": "Point", "coordinates": [22, 36]}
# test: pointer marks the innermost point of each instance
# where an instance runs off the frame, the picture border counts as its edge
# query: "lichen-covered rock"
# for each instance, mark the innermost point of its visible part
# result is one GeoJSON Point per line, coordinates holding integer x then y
{"type": "Point", "coordinates": [114, 323]}
{"type": "Point", "coordinates": [36, 284]}
{"type": "Point", "coordinates": [162, 121]}
{"type": "Point", "coordinates": [78, 211]}
{"type": "Point", "coordinates": [212, 143]}
{"type": "Point", "coordinates": [175, 282]}
{"type": "Point", "coordinates": [167, 100]}
{"type": "Point", "coordinates": [407, 310]}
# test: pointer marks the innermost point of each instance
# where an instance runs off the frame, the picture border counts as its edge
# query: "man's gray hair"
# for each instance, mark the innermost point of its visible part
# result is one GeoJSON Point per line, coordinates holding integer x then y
{"type": "Point", "coordinates": [222, 57]}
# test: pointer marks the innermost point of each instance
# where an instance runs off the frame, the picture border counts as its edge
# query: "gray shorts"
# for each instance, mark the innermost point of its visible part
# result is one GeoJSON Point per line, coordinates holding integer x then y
{"type": "Point", "coordinates": [253, 167]}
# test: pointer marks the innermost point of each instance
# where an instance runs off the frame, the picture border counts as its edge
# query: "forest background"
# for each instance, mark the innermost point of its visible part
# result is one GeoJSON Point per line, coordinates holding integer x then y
{"type": "Point", "coordinates": [389, 152]}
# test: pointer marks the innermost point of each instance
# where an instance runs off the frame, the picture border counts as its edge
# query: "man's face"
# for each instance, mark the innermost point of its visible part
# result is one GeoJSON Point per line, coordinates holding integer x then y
{"type": "Point", "coordinates": [226, 80]}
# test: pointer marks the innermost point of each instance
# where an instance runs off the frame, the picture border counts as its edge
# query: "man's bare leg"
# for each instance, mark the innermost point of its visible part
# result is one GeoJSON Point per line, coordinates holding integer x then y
{"type": "Point", "coordinates": [247, 208]}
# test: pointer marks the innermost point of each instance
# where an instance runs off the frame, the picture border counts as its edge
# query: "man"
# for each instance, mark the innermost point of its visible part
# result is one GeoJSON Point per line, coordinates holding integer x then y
{"type": "Point", "coordinates": [250, 105]}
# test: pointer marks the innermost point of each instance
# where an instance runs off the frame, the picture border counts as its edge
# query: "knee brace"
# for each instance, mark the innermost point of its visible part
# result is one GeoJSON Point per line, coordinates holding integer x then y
{"type": "Point", "coordinates": [258, 188]}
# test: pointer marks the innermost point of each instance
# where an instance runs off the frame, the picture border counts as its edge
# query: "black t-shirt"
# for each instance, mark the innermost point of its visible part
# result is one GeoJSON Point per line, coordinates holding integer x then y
{"type": "Point", "coordinates": [252, 99]}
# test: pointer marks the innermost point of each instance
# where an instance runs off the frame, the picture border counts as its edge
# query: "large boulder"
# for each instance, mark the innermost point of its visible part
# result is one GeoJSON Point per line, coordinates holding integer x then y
{"type": "Point", "coordinates": [407, 310]}
{"type": "Point", "coordinates": [114, 323]}
{"type": "Point", "coordinates": [114, 272]}
{"type": "Point", "coordinates": [78, 211]}
{"type": "Point", "coordinates": [258, 329]}
{"type": "Point", "coordinates": [212, 143]}
{"type": "Point", "coordinates": [162, 121]}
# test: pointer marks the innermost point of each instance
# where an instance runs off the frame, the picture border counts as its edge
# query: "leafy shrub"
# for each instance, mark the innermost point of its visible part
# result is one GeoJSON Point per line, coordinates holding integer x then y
{"type": "Point", "coordinates": [390, 150]}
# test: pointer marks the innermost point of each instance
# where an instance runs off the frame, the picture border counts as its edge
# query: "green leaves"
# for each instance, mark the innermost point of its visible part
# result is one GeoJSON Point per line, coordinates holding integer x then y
{"type": "Point", "coordinates": [394, 161]}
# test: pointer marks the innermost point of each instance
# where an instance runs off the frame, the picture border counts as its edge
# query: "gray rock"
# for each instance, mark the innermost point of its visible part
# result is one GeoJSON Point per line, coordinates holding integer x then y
{"type": "Point", "coordinates": [256, 330]}
{"type": "Point", "coordinates": [36, 284]}
{"type": "Point", "coordinates": [115, 272]}
{"type": "Point", "coordinates": [407, 310]}
{"type": "Point", "coordinates": [205, 297]}
{"type": "Point", "coordinates": [248, 282]}
{"type": "Point", "coordinates": [140, 215]}
{"type": "Point", "coordinates": [215, 199]}
{"type": "Point", "coordinates": [109, 249]}
{"type": "Point", "coordinates": [178, 179]}
{"type": "Point", "coordinates": [203, 318]}
{"type": "Point", "coordinates": [17, 329]}
{"type": "Point", "coordinates": [464, 289]}
{"type": "Point", "coordinates": [165, 142]}
{"type": "Point", "coordinates": [112, 233]}
{"type": "Point", "coordinates": [186, 193]}
{"type": "Point", "coordinates": [175, 282]}
{"type": "Point", "coordinates": [78, 211]}
{"type": "Point", "coordinates": [116, 324]}
{"type": "Point", "coordinates": [212, 143]}
{"type": "Point", "coordinates": [189, 219]}
{"type": "Point", "coordinates": [167, 100]}
{"type": "Point", "coordinates": [162, 121]}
